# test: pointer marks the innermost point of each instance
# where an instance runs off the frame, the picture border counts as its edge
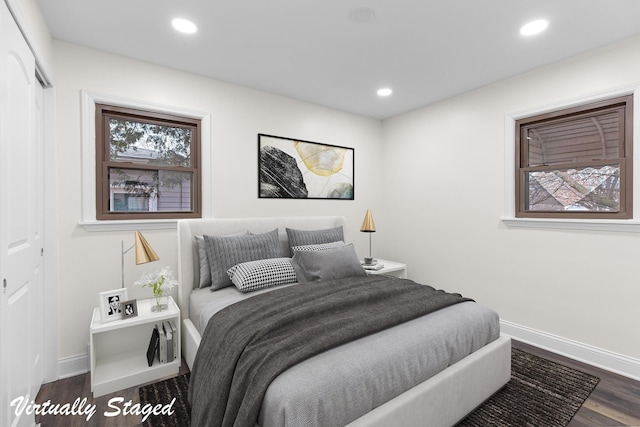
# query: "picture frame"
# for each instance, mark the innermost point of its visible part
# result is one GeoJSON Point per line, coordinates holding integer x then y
{"type": "Point", "coordinates": [298, 169]}
{"type": "Point", "coordinates": [110, 304]}
{"type": "Point", "coordinates": [129, 309]}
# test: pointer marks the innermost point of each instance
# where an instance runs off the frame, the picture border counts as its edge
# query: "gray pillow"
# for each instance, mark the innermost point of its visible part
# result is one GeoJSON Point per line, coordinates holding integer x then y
{"type": "Point", "coordinates": [205, 270]}
{"type": "Point", "coordinates": [223, 252]}
{"type": "Point", "coordinates": [314, 237]}
{"type": "Point", "coordinates": [329, 264]}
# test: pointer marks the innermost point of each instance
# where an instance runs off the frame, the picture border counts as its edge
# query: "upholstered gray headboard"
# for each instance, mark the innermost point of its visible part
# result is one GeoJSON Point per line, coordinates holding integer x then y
{"type": "Point", "coordinates": [188, 265]}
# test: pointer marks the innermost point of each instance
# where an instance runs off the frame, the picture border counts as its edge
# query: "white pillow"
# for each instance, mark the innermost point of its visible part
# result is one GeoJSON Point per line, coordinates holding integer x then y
{"type": "Point", "coordinates": [318, 247]}
{"type": "Point", "coordinates": [253, 275]}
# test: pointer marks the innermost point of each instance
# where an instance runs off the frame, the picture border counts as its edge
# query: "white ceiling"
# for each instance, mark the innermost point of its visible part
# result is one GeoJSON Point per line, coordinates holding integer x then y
{"type": "Point", "coordinates": [425, 50]}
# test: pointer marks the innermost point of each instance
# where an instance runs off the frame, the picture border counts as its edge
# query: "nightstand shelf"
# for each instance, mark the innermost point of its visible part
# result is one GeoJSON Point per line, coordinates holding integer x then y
{"type": "Point", "coordinates": [118, 349]}
{"type": "Point", "coordinates": [390, 268]}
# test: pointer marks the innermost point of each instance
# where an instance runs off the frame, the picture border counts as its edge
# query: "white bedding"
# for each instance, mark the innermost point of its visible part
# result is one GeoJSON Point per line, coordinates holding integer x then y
{"type": "Point", "coordinates": [377, 368]}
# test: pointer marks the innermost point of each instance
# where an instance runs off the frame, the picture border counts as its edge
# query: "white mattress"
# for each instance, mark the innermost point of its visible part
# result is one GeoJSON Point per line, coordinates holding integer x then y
{"type": "Point", "coordinates": [342, 384]}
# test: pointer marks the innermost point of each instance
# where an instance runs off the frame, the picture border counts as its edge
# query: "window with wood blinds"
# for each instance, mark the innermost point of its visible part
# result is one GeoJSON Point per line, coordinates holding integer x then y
{"type": "Point", "coordinates": [576, 163]}
{"type": "Point", "coordinates": [147, 165]}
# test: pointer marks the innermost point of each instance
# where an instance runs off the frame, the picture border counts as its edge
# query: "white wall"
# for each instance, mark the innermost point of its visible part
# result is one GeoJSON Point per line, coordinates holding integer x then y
{"type": "Point", "coordinates": [443, 223]}
{"type": "Point", "coordinates": [90, 261]}
{"type": "Point", "coordinates": [444, 175]}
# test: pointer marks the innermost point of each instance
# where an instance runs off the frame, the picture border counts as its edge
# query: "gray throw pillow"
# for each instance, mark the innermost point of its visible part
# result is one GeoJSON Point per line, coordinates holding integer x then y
{"type": "Point", "coordinates": [329, 264]}
{"type": "Point", "coordinates": [314, 237]}
{"type": "Point", "coordinates": [205, 271]}
{"type": "Point", "coordinates": [223, 252]}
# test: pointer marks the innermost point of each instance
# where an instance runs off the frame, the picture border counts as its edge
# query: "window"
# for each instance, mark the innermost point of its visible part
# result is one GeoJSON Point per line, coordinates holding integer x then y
{"type": "Point", "coordinates": [147, 165]}
{"type": "Point", "coordinates": [576, 162]}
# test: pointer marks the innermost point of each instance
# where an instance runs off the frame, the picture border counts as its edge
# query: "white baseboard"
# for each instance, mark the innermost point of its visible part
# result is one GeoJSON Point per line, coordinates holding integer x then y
{"type": "Point", "coordinates": [608, 360]}
{"type": "Point", "coordinates": [74, 365]}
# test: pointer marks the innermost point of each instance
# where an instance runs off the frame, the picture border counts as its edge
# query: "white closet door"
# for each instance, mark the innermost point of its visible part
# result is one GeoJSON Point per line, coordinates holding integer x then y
{"type": "Point", "coordinates": [21, 219]}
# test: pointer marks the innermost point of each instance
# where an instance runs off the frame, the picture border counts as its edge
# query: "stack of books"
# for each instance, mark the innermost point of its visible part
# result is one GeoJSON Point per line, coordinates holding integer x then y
{"type": "Point", "coordinates": [373, 267]}
{"type": "Point", "coordinates": [164, 343]}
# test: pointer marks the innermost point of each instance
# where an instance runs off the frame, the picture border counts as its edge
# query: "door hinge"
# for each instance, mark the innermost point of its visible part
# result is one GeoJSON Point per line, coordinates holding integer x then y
{"type": "Point", "coordinates": [41, 251]}
{"type": "Point", "coordinates": [4, 286]}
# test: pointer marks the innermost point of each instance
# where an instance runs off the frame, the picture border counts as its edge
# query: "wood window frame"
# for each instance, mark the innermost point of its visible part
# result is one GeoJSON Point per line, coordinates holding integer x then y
{"type": "Point", "coordinates": [103, 162]}
{"type": "Point", "coordinates": [625, 159]}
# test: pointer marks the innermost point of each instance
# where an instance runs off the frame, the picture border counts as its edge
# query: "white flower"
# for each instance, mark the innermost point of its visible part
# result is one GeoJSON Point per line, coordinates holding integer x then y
{"type": "Point", "coordinates": [159, 282]}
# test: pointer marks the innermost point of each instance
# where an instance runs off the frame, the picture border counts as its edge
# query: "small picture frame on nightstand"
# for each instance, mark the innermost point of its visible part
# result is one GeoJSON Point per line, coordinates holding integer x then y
{"type": "Point", "coordinates": [129, 309]}
{"type": "Point", "coordinates": [110, 304]}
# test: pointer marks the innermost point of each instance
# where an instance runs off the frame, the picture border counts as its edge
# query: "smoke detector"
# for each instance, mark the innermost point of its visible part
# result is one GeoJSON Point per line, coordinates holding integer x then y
{"type": "Point", "coordinates": [361, 15]}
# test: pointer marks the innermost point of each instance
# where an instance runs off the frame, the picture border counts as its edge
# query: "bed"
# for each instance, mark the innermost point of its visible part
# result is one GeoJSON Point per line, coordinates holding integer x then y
{"type": "Point", "coordinates": [440, 398]}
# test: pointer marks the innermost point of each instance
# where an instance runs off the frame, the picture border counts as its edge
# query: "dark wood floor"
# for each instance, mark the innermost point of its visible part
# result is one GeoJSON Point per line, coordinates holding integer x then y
{"type": "Point", "coordinates": [614, 402]}
{"type": "Point", "coordinates": [79, 386]}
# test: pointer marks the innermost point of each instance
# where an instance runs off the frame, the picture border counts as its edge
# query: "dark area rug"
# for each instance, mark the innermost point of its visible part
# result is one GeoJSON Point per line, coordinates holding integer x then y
{"type": "Point", "coordinates": [163, 393]}
{"type": "Point", "coordinates": [540, 393]}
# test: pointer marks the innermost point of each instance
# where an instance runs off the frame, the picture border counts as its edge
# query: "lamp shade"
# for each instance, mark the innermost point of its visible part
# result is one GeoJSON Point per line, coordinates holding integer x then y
{"type": "Point", "coordinates": [144, 251]}
{"type": "Point", "coordinates": [368, 225]}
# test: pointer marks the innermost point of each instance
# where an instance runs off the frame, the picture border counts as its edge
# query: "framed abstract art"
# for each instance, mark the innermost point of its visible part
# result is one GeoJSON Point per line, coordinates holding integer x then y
{"type": "Point", "coordinates": [297, 169]}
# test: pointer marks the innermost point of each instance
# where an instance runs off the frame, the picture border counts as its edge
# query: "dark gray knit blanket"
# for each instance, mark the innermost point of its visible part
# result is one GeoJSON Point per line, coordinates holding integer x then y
{"type": "Point", "coordinates": [248, 344]}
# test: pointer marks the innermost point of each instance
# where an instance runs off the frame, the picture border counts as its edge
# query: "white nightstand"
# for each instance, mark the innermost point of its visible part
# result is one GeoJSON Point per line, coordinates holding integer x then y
{"type": "Point", "coordinates": [118, 349]}
{"type": "Point", "coordinates": [391, 268]}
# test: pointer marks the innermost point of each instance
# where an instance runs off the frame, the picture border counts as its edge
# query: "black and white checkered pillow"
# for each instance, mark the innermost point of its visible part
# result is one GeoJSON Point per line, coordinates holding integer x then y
{"type": "Point", "coordinates": [317, 247]}
{"type": "Point", "coordinates": [253, 275]}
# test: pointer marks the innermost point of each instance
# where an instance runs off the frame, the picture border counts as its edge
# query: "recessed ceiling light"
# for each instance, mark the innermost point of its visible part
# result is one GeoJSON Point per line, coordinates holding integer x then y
{"type": "Point", "coordinates": [384, 92]}
{"type": "Point", "coordinates": [184, 26]}
{"type": "Point", "coordinates": [534, 27]}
